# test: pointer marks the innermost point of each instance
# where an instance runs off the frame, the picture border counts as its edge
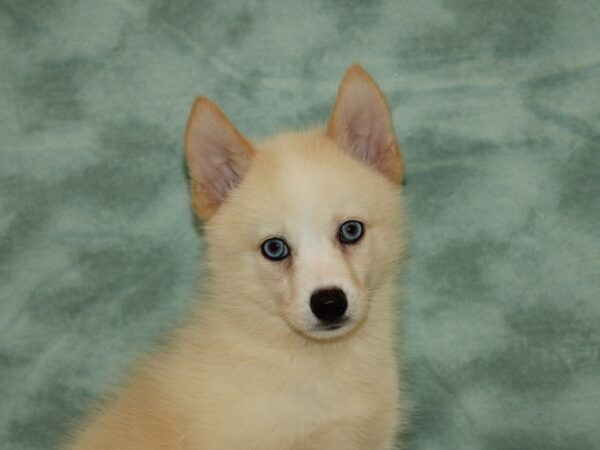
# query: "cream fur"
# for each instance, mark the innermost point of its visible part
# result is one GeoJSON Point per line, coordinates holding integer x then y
{"type": "Point", "coordinates": [247, 371]}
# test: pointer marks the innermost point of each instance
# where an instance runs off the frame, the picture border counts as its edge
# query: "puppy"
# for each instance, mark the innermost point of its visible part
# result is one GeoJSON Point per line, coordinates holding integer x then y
{"type": "Point", "coordinates": [292, 345]}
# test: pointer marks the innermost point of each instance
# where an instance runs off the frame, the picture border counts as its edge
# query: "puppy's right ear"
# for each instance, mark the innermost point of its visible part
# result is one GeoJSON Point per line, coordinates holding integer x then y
{"type": "Point", "coordinates": [217, 156]}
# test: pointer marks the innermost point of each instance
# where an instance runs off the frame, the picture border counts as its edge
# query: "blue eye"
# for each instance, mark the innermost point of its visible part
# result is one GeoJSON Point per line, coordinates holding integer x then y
{"type": "Point", "coordinates": [275, 249]}
{"type": "Point", "coordinates": [350, 232]}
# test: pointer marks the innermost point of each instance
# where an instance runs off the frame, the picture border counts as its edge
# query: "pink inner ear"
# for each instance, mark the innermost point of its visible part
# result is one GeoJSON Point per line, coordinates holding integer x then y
{"type": "Point", "coordinates": [215, 167]}
{"type": "Point", "coordinates": [223, 179]}
{"type": "Point", "coordinates": [368, 128]}
{"type": "Point", "coordinates": [214, 164]}
{"type": "Point", "coordinates": [361, 147]}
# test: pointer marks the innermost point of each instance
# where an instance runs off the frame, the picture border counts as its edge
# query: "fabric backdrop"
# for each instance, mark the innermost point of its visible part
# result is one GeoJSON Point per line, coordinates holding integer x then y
{"type": "Point", "coordinates": [497, 107]}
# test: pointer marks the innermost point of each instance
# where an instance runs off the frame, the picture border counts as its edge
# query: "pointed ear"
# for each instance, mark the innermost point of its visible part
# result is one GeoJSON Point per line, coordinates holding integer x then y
{"type": "Point", "coordinates": [361, 124]}
{"type": "Point", "coordinates": [217, 156]}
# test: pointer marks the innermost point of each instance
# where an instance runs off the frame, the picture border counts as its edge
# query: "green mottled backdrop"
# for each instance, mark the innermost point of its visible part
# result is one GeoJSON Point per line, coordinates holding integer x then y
{"type": "Point", "coordinates": [497, 106]}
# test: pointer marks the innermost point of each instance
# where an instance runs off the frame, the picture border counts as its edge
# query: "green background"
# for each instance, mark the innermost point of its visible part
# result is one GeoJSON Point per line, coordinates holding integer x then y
{"type": "Point", "coordinates": [497, 107]}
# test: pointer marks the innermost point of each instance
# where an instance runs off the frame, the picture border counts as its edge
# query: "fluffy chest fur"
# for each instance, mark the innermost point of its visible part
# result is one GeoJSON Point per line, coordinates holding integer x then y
{"type": "Point", "coordinates": [285, 396]}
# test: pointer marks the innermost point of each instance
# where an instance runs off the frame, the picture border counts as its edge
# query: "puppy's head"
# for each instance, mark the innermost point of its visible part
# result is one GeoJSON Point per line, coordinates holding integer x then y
{"type": "Point", "coordinates": [307, 226]}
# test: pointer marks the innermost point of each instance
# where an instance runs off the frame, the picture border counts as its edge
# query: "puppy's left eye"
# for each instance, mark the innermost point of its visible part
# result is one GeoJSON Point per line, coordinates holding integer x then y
{"type": "Point", "coordinates": [350, 232]}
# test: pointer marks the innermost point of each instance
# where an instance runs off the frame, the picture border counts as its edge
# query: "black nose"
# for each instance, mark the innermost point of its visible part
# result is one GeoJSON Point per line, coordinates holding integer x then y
{"type": "Point", "coordinates": [328, 305]}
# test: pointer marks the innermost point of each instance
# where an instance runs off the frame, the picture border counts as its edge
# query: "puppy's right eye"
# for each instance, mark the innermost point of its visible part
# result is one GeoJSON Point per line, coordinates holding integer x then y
{"type": "Point", "coordinates": [275, 249]}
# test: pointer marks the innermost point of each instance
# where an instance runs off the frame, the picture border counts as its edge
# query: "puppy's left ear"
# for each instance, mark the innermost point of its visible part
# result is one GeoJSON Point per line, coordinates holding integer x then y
{"type": "Point", "coordinates": [361, 124]}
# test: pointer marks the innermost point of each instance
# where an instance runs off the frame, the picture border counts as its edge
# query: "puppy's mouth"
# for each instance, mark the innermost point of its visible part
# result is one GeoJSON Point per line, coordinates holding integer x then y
{"type": "Point", "coordinates": [330, 326]}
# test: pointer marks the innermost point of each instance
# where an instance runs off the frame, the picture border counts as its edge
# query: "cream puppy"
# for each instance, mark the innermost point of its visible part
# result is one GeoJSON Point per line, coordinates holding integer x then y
{"type": "Point", "coordinates": [292, 343]}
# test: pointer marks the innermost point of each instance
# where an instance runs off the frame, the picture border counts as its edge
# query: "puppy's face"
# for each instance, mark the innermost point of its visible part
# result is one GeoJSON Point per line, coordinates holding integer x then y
{"type": "Point", "coordinates": [307, 226]}
{"type": "Point", "coordinates": [317, 228]}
